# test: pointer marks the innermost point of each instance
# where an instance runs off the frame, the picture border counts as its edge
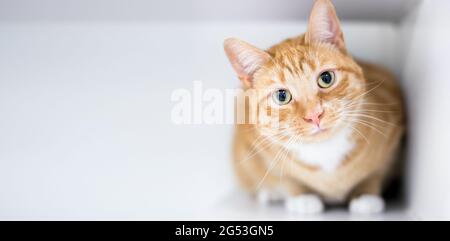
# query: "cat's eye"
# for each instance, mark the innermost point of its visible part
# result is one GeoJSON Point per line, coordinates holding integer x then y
{"type": "Point", "coordinates": [282, 96]}
{"type": "Point", "coordinates": [326, 79]}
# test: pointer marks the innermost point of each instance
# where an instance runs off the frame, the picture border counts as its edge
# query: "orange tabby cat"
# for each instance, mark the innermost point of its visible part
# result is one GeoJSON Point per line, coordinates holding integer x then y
{"type": "Point", "coordinates": [340, 121]}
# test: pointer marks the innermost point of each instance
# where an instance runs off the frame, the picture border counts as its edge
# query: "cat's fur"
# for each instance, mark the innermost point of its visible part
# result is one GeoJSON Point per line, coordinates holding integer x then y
{"type": "Point", "coordinates": [362, 120]}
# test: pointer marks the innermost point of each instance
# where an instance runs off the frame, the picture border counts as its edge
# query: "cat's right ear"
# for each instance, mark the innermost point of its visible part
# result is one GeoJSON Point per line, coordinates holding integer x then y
{"type": "Point", "coordinates": [324, 26]}
{"type": "Point", "coordinates": [245, 58]}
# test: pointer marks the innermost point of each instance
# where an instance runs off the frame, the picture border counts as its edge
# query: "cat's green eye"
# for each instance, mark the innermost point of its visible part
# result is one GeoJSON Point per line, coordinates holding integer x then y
{"type": "Point", "coordinates": [282, 96]}
{"type": "Point", "coordinates": [326, 79]}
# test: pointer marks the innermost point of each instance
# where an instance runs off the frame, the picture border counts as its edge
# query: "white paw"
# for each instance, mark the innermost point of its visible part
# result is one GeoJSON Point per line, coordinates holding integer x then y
{"type": "Point", "coordinates": [266, 196]}
{"type": "Point", "coordinates": [367, 204]}
{"type": "Point", "coordinates": [305, 204]}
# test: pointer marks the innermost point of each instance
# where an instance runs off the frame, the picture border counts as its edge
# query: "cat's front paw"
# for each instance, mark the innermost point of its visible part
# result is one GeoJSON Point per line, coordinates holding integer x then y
{"type": "Point", "coordinates": [304, 204]}
{"type": "Point", "coordinates": [367, 204]}
{"type": "Point", "coordinates": [266, 196]}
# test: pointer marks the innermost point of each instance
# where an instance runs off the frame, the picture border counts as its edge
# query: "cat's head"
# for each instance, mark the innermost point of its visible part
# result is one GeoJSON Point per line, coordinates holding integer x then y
{"type": "Point", "coordinates": [309, 80]}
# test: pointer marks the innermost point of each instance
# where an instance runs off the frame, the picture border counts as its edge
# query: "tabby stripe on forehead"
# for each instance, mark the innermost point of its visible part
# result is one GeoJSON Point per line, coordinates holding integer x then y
{"type": "Point", "coordinates": [298, 65]}
{"type": "Point", "coordinates": [302, 60]}
{"type": "Point", "coordinates": [289, 68]}
{"type": "Point", "coordinates": [281, 76]}
{"type": "Point", "coordinates": [311, 63]}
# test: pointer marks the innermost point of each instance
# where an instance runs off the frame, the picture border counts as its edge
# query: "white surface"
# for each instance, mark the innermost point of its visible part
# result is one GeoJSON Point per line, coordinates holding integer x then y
{"type": "Point", "coordinates": [425, 46]}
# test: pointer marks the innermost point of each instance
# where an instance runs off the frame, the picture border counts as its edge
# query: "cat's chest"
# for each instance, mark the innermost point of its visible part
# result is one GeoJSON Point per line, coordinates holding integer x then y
{"type": "Point", "coordinates": [326, 155]}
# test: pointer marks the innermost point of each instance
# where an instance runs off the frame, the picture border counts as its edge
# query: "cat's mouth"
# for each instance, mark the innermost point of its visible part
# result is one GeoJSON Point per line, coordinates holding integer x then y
{"type": "Point", "coordinates": [313, 131]}
{"type": "Point", "coordinates": [318, 134]}
{"type": "Point", "coordinates": [317, 130]}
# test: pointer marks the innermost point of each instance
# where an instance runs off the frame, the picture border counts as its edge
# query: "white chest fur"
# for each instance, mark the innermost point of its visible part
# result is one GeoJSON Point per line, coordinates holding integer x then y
{"type": "Point", "coordinates": [328, 154]}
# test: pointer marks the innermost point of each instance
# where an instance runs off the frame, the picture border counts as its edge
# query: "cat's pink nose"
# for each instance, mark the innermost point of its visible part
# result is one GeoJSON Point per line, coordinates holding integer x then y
{"type": "Point", "coordinates": [314, 117]}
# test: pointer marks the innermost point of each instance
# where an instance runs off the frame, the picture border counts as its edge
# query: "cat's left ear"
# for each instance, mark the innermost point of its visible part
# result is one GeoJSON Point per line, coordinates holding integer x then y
{"type": "Point", "coordinates": [245, 58]}
{"type": "Point", "coordinates": [324, 25]}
